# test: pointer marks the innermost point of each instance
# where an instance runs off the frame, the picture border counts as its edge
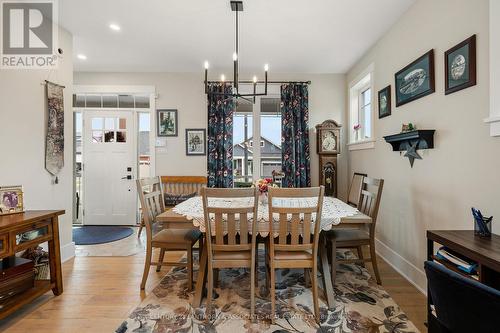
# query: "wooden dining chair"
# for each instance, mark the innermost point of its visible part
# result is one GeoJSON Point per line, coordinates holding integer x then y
{"type": "Point", "coordinates": [151, 198]}
{"type": "Point", "coordinates": [357, 238]}
{"type": "Point", "coordinates": [355, 189]}
{"type": "Point", "coordinates": [295, 246]}
{"type": "Point", "coordinates": [229, 244]}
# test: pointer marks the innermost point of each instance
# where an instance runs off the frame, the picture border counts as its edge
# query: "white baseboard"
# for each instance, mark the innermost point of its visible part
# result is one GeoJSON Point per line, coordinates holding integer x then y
{"type": "Point", "coordinates": [410, 272]}
{"type": "Point", "coordinates": [67, 251]}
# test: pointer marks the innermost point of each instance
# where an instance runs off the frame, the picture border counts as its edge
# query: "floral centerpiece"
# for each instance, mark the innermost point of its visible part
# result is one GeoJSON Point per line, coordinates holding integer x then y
{"type": "Point", "coordinates": [263, 186]}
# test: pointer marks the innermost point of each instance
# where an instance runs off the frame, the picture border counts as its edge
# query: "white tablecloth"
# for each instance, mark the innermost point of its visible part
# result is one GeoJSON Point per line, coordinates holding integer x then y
{"type": "Point", "coordinates": [333, 211]}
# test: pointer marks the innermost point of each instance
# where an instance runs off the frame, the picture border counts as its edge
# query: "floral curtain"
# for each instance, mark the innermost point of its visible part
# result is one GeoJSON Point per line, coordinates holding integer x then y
{"type": "Point", "coordinates": [220, 136]}
{"type": "Point", "coordinates": [296, 157]}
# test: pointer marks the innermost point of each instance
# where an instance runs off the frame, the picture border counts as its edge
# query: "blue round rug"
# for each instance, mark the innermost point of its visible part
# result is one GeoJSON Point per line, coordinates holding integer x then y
{"type": "Point", "coordinates": [89, 235]}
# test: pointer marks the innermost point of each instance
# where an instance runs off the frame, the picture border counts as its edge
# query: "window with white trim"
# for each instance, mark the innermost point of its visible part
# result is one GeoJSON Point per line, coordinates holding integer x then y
{"type": "Point", "coordinates": [361, 109]}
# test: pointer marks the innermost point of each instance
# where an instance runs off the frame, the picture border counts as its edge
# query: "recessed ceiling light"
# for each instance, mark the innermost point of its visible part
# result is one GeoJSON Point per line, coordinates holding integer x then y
{"type": "Point", "coordinates": [114, 27]}
{"type": "Point", "coordinates": [81, 56]}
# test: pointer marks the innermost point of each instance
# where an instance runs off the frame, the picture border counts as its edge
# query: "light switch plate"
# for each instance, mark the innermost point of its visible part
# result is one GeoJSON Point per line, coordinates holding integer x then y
{"type": "Point", "coordinates": [161, 142]}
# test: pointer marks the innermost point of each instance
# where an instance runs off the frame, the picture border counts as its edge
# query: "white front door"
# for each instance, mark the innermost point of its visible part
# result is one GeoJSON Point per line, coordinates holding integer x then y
{"type": "Point", "coordinates": [109, 167]}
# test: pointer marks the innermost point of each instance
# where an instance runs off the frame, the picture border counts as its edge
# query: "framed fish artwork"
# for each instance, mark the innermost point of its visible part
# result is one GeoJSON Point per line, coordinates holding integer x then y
{"type": "Point", "coordinates": [415, 80]}
{"type": "Point", "coordinates": [460, 66]}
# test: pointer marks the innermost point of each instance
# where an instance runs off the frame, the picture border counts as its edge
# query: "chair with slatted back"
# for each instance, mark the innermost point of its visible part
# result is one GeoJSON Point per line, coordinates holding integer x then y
{"type": "Point", "coordinates": [296, 244]}
{"type": "Point", "coordinates": [230, 245]}
{"type": "Point", "coordinates": [152, 203]}
{"type": "Point", "coordinates": [357, 238]}
{"type": "Point", "coordinates": [355, 189]}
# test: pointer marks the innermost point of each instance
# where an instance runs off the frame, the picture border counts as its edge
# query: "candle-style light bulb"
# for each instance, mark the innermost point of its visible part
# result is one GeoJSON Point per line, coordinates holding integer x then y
{"type": "Point", "coordinates": [254, 79]}
{"type": "Point", "coordinates": [223, 78]}
{"type": "Point", "coordinates": [206, 64]}
{"type": "Point", "coordinates": [266, 67]}
{"type": "Point", "coordinates": [235, 56]}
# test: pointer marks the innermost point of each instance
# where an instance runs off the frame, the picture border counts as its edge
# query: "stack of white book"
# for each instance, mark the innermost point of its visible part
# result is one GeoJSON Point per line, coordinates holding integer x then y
{"type": "Point", "coordinates": [468, 267]}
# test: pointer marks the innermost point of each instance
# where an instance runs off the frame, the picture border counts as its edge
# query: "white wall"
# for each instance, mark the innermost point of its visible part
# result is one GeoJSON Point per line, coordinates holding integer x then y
{"type": "Point", "coordinates": [185, 92]}
{"type": "Point", "coordinates": [23, 122]}
{"type": "Point", "coordinates": [462, 170]}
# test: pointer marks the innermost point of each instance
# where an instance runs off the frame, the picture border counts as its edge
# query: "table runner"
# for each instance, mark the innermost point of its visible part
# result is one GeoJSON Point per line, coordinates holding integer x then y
{"type": "Point", "coordinates": [333, 211]}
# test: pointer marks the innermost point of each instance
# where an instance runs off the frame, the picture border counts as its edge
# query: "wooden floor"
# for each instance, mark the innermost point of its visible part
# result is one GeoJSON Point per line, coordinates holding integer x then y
{"type": "Point", "coordinates": [99, 293]}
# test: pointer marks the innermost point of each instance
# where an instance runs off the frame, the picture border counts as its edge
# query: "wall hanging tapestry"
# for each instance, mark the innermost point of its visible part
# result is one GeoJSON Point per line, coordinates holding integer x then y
{"type": "Point", "coordinates": [54, 143]}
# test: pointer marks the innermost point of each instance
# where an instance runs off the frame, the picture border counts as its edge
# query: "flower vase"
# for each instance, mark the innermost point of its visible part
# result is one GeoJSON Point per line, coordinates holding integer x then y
{"type": "Point", "coordinates": [263, 198]}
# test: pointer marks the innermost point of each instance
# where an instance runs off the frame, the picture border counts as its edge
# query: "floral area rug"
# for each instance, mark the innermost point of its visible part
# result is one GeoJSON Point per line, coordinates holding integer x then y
{"type": "Point", "coordinates": [361, 305]}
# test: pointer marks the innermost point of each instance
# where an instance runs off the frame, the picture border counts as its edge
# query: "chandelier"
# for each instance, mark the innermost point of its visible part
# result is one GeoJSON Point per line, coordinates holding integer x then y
{"type": "Point", "coordinates": [236, 7]}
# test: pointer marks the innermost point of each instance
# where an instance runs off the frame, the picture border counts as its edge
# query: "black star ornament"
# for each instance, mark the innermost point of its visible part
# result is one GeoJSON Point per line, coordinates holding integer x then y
{"type": "Point", "coordinates": [412, 154]}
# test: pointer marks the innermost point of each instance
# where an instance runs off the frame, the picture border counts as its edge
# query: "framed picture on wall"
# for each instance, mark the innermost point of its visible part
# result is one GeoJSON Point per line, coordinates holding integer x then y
{"type": "Point", "coordinates": [196, 141]}
{"type": "Point", "coordinates": [384, 102]}
{"type": "Point", "coordinates": [167, 124]}
{"type": "Point", "coordinates": [11, 200]}
{"type": "Point", "coordinates": [415, 80]}
{"type": "Point", "coordinates": [460, 66]}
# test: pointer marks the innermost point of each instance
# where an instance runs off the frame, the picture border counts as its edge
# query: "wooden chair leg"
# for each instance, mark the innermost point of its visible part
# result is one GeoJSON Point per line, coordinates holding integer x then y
{"type": "Point", "coordinates": [190, 266]}
{"type": "Point", "coordinates": [373, 256]}
{"type": "Point", "coordinates": [314, 280]}
{"type": "Point", "coordinates": [200, 247]}
{"type": "Point", "coordinates": [210, 288]}
{"type": "Point", "coordinates": [216, 277]}
{"type": "Point", "coordinates": [252, 291]}
{"type": "Point", "coordinates": [147, 264]}
{"type": "Point", "coordinates": [160, 259]}
{"type": "Point", "coordinates": [333, 263]}
{"type": "Point", "coordinates": [268, 268]}
{"type": "Point", "coordinates": [360, 255]}
{"type": "Point", "coordinates": [273, 294]}
{"type": "Point", "coordinates": [140, 228]}
{"type": "Point", "coordinates": [306, 277]}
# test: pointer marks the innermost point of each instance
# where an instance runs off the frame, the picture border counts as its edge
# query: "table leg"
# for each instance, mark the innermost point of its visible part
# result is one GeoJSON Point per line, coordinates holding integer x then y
{"type": "Point", "coordinates": [202, 276]}
{"type": "Point", "coordinates": [55, 258]}
{"type": "Point", "coordinates": [327, 281]}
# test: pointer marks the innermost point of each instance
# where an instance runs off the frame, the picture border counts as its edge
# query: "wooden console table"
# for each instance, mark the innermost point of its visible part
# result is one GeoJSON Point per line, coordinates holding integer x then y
{"type": "Point", "coordinates": [46, 226]}
{"type": "Point", "coordinates": [484, 251]}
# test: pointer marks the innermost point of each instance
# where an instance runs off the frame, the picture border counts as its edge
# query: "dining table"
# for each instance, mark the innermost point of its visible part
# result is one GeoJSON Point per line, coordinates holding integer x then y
{"type": "Point", "coordinates": [336, 214]}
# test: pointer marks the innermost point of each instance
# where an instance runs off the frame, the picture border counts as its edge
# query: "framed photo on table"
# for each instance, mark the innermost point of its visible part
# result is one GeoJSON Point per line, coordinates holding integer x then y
{"type": "Point", "coordinates": [11, 200]}
{"type": "Point", "coordinates": [460, 66]}
{"type": "Point", "coordinates": [415, 80]}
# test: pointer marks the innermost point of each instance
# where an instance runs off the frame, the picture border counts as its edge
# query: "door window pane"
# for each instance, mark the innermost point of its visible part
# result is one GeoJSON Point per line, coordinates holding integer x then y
{"type": "Point", "coordinates": [97, 123]}
{"type": "Point", "coordinates": [109, 136]}
{"type": "Point", "coordinates": [122, 123]}
{"type": "Point", "coordinates": [97, 136]}
{"type": "Point", "coordinates": [110, 123]}
{"type": "Point", "coordinates": [121, 136]}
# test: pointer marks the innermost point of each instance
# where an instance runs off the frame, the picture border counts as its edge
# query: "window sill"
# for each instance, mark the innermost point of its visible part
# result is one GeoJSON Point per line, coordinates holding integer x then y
{"type": "Point", "coordinates": [360, 145]}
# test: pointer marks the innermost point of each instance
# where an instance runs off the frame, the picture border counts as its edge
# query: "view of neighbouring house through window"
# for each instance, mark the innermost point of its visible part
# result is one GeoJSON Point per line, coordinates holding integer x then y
{"type": "Point", "coordinates": [269, 144]}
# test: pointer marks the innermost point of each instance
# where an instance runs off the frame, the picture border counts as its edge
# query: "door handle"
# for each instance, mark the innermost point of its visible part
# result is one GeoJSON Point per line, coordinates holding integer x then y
{"type": "Point", "coordinates": [129, 177]}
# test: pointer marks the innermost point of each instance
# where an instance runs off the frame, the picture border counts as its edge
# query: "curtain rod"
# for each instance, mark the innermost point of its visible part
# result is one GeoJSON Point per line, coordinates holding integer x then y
{"type": "Point", "coordinates": [271, 82]}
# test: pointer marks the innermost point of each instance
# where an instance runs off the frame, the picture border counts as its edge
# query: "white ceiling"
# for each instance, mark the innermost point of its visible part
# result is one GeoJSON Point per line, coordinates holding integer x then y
{"type": "Point", "coordinates": [308, 36]}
